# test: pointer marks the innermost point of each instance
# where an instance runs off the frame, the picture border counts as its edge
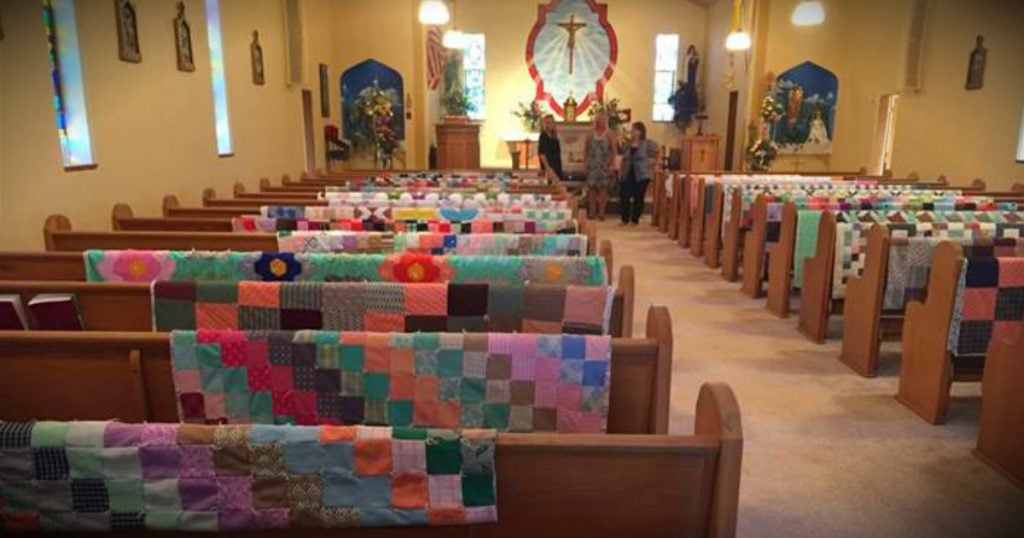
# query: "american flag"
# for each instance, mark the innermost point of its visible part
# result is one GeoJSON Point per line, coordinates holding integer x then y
{"type": "Point", "coordinates": [435, 58]}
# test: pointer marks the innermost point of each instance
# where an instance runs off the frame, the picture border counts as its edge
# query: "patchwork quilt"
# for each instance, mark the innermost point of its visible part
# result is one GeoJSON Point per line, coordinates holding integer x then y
{"type": "Point", "coordinates": [149, 266]}
{"type": "Point", "coordinates": [333, 241]}
{"type": "Point", "coordinates": [508, 382]}
{"type": "Point", "coordinates": [493, 244]}
{"type": "Point", "coordinates": [381, 307]}
{"type": "Point", "coordinates": [389, 212]}
{"type": "Point", "coordinates": [990, 304]}
{"type": "Point", "coordinates": [111, 476]}
{"type": "Point", "coordinates": [262, 224]}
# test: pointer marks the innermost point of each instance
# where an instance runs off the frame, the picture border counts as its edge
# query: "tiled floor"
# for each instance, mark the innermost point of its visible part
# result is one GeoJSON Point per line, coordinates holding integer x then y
{"type": "Point", "coordinates": [827, 453]}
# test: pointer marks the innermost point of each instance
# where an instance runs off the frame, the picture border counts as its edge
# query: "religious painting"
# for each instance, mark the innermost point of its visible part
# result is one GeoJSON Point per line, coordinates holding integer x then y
{"type": "Point", "coordinates": [256, 52]}
{"type": "Point", "coordinates": [363, 77]}
{"type": "Point", "coordinates": [127, 31]}
{"type": "Point", "coordinates": [325, 92]}
{"type": "Point", "coordinates": [571, 53]}
{"type": "Point", "coordinates": [807, 94]}
{"type": "Point", "coordinates": [976, 66]}
{"type": "Point", "coordinates": [1, 26]}
{"type": "Point", "coordinates": [183, 41]}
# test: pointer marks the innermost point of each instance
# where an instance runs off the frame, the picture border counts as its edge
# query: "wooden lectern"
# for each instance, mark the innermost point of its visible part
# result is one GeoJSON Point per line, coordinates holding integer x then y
{"type": "Point", "coordinates": [458, 146]}
{"type": "Point", "coordinates": [700, 153]}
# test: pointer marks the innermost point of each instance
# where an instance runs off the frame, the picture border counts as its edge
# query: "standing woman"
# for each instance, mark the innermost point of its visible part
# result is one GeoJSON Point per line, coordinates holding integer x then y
{"type": "Point", "coordinates": [599, 161]}
{"type": "Point", "coordinates": [637, 171]}
{"type": "Point", "coordinates": [550, 150]}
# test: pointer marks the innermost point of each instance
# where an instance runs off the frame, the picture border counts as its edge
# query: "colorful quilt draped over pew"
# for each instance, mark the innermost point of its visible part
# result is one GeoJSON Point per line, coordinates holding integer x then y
{"type": "Point", "coordinates": [387, 212]}
{"type": "Point", "coordinates": [149, 266]}
{"type": "Point", "coordinates": [334, 241]}
{"type": "Point", "coordinates": [111, 476]}
{"type": "Point", "coordinates": [261, 224]}
{"type": "Point", "coordinates": [989, 304]}
{"type": "Point", "coordinates": [508, 382]}
{"type": "Point", "coordinates": [493, 244]}
{"type": "Point", "coordinates": [381, 307]}
{"type": "Point", "coordinates": [910, 262]}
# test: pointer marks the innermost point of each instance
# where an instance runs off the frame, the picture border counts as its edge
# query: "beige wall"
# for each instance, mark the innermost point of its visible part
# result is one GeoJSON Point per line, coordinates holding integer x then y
{"type": "Point", "coordinates": [942, 130]}
{"type": "Point", "coordinates": [152, 126]}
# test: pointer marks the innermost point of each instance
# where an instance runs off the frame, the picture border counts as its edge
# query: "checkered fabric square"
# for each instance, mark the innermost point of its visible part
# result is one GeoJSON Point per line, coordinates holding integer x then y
{"type": "Point", "coordinates": [508, 382]}
{"type": "Point", "coordinates": [379, 307]}
{"type": "Point", "coordinates": [990, 304]}
{"type": "Point", "coordinates": [231, 478]}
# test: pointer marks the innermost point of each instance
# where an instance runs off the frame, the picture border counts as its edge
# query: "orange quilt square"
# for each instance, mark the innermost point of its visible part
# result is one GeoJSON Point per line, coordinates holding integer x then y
{"type": "Point", "coordinates": [265, 294]}
{"type": "Point", "coordinates": [373, 456]}
{"type": "Point", "coordinates": [215, 316]}
{"type": "Point", "coordinates": [377, 359]}
{"type": "Point", "coordinates": [402, 387]}
{"type": "Point", "coordinates": [409, 491]}
{"type": "Point", "coordinates": [449, 414]}
{"type": "Point", "coordinates": [424, 412]}
{"type": "Point", "coordinates": [333, 434]}
{"type": "Point", "coordinates": [402, 361]}
{"type": "Point", "coordinates": [382, 322]}
{"type": "Point", "coordinates": [426, 388]}
{"type": "Point", "coordinates": [446, 516]}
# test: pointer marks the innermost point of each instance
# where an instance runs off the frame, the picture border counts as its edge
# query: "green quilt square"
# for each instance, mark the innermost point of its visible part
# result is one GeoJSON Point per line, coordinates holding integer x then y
{"type": "Point", "coordinates": [496, 415]}
{"type": "Point", "coordinates": [260, 404]}
{"type": "Point", "coordinates": [352, 358]}
{"type": "Point", "coordinates": [352, 383]}
{"type": "Point", "coordinates": [472, 415]}
{"type": "Point", "coordinates": [49, 433]}
{"type": "Point", "coordinates": [444, 456]}
{"type": "Point", "coordinates": [425, 361]}
{"type": "Point", "coordinates": [375, 412]}
{"type": "Point", "coordinates": [125, 495]}
{"type": "Point", "coordinates": [400, 412]}
{"type": "Point", "coordinates": [169, 314]}
{"type": "Point", "coordinates": [426, 341]}
{"type": "Point", "coordinates": [449, 389]}
{"type": "Point", "coordinates": [183, 351]}
{"type": "Point", "coordinates": [473, 390]}
{"type": "Point", "coordinates": [216, 292]}
{"type": "Point", "coordinates": [328, 356]}
{"type": "Point", "coordinates": [414, 434]}
{"type": "Point", "coordinates": [449, 363]}
{"type": "Point", "coordinates": [478, 489]}
{"type": "Point", "coordinates": [163, 520]}
{"type": "Point", "coordinates": [237, 404]}
{"type": "Point", "coordinates": [376, 385]}
{"type": "Point", "coordinates": [236, 380]}
{"type": "Point", "coordinates": [85, 462]}
{"type": "Point", "coordinates": [284, 420]}
{"type": "Point", "coordinates": [213, 379]}
{"type": "Point", "coordinates": [209, 356]}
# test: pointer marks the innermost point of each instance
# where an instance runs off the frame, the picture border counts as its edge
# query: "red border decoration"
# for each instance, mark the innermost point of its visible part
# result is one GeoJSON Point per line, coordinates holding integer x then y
{"type": "Point", "coordinates": [613, 55]}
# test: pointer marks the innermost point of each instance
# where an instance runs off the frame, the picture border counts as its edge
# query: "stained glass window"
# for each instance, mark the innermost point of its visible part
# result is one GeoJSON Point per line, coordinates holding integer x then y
{"type": "Point", "coordinates": [666, 62]}
{"type": "Point", "coordinates": [474, 65]}
{"type": "Point", "coordinates": [67, 81]}
{"type": "Point", "coordinates": [220, 85]}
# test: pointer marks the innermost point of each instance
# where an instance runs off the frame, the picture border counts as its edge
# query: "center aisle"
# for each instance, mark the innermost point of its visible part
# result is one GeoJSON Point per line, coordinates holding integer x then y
{"type": "Point", "coordinates": [827, 453]}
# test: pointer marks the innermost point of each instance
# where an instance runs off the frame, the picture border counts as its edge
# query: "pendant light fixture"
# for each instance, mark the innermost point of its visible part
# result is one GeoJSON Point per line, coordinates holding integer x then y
{"type": "Point", "coordinates": [738, 40]}
{"type": "Point", "coordinates": [434, 13]}
{"type": "Point", "coordinates": [453, 38]}
{"type": "Point", "coordinates": [808, 13]}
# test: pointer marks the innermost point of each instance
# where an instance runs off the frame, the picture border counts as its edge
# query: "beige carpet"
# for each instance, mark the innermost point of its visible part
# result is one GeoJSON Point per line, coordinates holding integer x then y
{"type": "Point", "coordinates": [827, 453]}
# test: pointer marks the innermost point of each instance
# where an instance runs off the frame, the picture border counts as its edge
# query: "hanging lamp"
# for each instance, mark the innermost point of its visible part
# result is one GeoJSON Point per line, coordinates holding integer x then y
{"type": "Point", "coordinates": [453, 38]}
{"type": "Point", "coordinates": [808, 13]}
{"type": "Point", "coordinates": [738, 39]}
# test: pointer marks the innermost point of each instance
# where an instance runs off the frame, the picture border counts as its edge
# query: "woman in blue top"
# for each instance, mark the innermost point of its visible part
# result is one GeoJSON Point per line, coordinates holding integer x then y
{"type": "Point", "coordinates": [638, 167]}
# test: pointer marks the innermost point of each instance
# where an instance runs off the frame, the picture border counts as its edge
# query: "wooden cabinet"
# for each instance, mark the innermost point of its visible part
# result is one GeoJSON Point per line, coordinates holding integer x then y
{"type": "Point", "coordinates": [458, 146]}
{"type": "Point", "coordinates": [700, 153]}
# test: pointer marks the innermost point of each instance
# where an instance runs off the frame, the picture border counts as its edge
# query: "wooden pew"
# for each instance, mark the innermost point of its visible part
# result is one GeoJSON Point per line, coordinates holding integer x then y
{"type": "Point", "coordinates": [134, 369]}
{"type": "Point", "coordinates": [684, 216]}
{"type": "Point", "coordinates": [1001, 436]}
{"type": "Point", "coordinates": [674, 207]}
{"type": "Point", "coordinates": [173, 209]}
{"type": "Point", "coordinates": [865, 326]}
{"type": "Point", "coordinates": [754, 250]}
{"type": "Point", "coordinates": [58, 236]}
{"type": "Point", "coordinates": [239, 192]}
{"type": "Point", "coordinates": [780, 264]}
{"type": "Point", "coordinates": [122, 306]}
{"type": "Point", "coordinates": [210, 200]}
{"type": "Point", "coordinates": [122, 218]}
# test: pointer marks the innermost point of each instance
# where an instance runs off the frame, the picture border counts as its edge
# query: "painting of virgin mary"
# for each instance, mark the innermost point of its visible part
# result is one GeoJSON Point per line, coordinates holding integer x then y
{"type": "Point", "coordinates": [183, 41]}
{"type": "Point", "coordinates": [127, 31]}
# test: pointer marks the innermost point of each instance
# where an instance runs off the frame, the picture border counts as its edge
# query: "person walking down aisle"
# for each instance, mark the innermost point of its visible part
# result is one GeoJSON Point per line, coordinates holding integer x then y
{"type": "Point", "coordinates": [599, 162]}
{"type": "Point", "coordinates": [550, 150]}
{"type": "Point", "coordinates": [638, 167]}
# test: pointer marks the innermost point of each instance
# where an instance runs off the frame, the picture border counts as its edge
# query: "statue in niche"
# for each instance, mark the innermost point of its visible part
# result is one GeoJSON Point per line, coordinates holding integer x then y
{"type": "Point", "coordinates": [183, 41]}
{"type": "Point", "coordinates": [127, 32]}
{"type": "Point", "coordinates": [256, 51]}
{"type": "Point", "coordinates": [686, 99]}
{"type": "Point", "coordinates": [976, 66]}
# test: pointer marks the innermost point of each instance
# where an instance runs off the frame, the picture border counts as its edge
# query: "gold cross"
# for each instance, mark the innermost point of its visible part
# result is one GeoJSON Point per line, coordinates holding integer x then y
{"type": "Point", "coordinates": [572, 27]}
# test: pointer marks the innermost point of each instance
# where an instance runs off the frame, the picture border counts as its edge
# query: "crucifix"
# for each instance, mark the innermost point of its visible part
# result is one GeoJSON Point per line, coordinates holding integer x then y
{"type": "Point", "coordinates": [572, 27]}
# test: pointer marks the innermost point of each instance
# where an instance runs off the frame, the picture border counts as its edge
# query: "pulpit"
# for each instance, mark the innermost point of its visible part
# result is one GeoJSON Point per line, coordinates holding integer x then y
{"type": "Point", "coordinates": [458, 146]}
{"type": "Point", "coordinates": [573, 137]}
{"type": "Point", "coordinates": [700, 153]}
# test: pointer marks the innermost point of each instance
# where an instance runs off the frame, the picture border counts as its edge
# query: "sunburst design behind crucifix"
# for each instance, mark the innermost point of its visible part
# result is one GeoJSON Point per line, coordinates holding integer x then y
{"type": "Point", "coordinates": [572, 27]}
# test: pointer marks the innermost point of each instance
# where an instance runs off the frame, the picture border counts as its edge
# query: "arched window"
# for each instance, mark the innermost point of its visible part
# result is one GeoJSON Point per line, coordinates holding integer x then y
{"type": "Point", "coordinates": [68, 85]}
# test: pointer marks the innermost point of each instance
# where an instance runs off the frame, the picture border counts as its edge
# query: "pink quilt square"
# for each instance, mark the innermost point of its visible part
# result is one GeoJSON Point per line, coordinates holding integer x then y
{"type": "Point", "coordinates": [259, 378]}
{"type": "Point", "coordinates": [500, 343]}
{"type": "Point", "coordinates": [1011, 272]}
{"type": "Point", "coordinates": [214, 405]}
{"type": "Point", "coordinates": [585, 304]}
{"type": "Point", "coordinates": [545, 394]}
{"type": "Point", "coordinates": [429, 299]}
{"type": "Point", "coordinates": [598, 347]}
{"type": "Point", "coordinates": [548, 369]}
{"type": "Point", "coordinates": [382, 322]}
{"type": "Point", "coordinates": [979, 304]}
{"type": "Point", "coordinates": [188, 381]}
{"type": "Point", "coordinates": [569, 396]}
{"type": "Point", "coordinates": [233, 353]}
{"type": "Point", "coordinates": [524, 345]}
{"type": "Point", "coordinates": [1006, 330]}
{"type": "Point", "coordinates": [524, 366]}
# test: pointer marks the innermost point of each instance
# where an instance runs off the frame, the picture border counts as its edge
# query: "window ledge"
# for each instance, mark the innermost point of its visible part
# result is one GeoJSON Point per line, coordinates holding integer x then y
{"type": "Point", "coordinates": [81, 167]}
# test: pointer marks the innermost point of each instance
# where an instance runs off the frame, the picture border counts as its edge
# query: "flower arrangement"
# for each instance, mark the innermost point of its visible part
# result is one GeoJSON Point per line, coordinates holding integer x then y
{"type": "Point", "coordinates": [771, 108]}
{"type": "Point", "coordinates": [761, 154]}
{"type": "Point", "coordinates": [616, 117]}
{"type": "Point", "coordinates": [454, 100]}
{"type": "Point", "coordinates": [531, 116]}
{"type": "Point", "coordinates": [374, 118]}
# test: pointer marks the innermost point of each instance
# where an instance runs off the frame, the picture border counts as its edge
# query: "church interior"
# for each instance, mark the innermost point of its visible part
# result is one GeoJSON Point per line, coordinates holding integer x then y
{"type": "Point", "coordinates": [420, 268]}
